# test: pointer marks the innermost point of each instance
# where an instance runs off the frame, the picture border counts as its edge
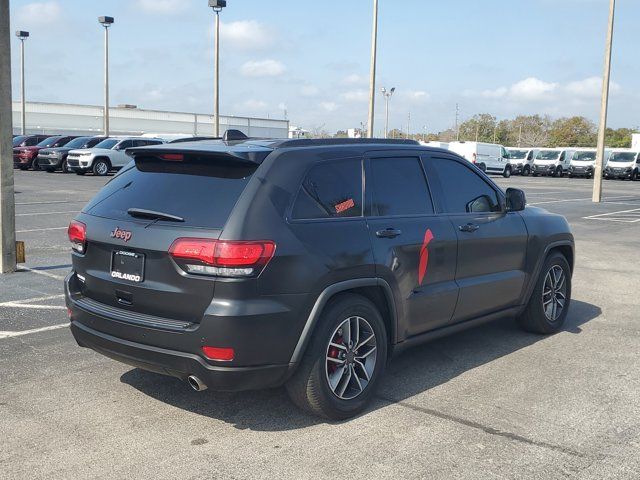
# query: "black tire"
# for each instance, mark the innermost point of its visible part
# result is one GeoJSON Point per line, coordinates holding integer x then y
{"type": "Point", "coordinates": [309, 387]}
{"type": "Point", "coordinates": [534, 319]}
{"type": "Point", "coordinates": [100, 167]}
{"type": "Point", "coordinates": [570, 175]}
{"type": "Point", "coordinates": [526, 171]}
{"type": "Point", "coordinates": [558, 172]}
{"type": "Point", "coordinates": [35, 166]}
{"type": "Point", "coordinates": [64, 166]}
{"type": "Point", "coordinates": [80, 172]}
{"type": "Point", "coordinates": [634, 176]}
{"type": "Point", "coordinates": [50, 170]}
{"type": "Point", "coordinates": [23, 167]}
{"type": "Point", "coordinates": [507, 172]}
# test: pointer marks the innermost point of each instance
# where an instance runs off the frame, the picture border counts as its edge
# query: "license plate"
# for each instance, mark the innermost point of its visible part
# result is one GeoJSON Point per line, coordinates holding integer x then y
{"type": "Point", "coordinates": [127, 266]}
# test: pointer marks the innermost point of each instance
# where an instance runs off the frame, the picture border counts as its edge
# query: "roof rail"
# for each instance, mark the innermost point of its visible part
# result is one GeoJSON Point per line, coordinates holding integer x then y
{"type": "Point", "coordinates": [319, 142]}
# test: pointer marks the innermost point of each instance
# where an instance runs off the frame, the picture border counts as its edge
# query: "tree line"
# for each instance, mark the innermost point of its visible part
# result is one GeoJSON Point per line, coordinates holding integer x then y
{"type": "Point", "coordinates": [526, 131]}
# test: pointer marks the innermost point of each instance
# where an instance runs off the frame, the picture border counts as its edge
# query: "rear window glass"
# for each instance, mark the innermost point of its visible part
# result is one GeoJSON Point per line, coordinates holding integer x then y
{"type": "Point", "coordinates": [203, 191]}
{"type": "Point", "coordinates": [331, 190]}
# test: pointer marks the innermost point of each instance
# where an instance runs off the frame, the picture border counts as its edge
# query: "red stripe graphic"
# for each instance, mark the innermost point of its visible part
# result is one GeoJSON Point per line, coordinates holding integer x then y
{"type": "Point", "coordinates": [424, 256]}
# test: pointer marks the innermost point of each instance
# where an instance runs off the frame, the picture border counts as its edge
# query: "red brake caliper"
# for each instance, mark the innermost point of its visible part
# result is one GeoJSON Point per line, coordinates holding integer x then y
{"type": "Point", "coordinates": [334, 353]}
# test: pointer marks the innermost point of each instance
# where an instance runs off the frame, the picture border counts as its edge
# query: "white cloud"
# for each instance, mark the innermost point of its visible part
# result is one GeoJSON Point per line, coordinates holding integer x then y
{"type": "Point", "coordinates": [589, 87]}
{"type": "Point", "coordinates": [246, 35]}
{"type": "Point", "coordinates": [162, 6]}
{"type": "Point", "coordinates": [356, 96]}
{"type": "Point", "coordinates": [497, 93]}
{"type": "Point", "coordinates": [418, 96]}
{"type": "Point", "coordinates": [355, 79]}
{"type": "Point", "coordinates": [254, 105]}
{"type": "Point", "coordinates": [39, 13]}
{"type": "Point", "coordinates": [329, 106]}
{"type": "Point", "coordinates": [531, 89]}
{"type": "Point", "coordinates": [309, 91]}
{"type": "Point", "coordinates": [263, 68]}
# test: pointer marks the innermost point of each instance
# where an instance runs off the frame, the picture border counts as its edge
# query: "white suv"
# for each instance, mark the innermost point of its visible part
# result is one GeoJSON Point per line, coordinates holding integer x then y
{"type": "Point", "coordinates": [107, 155]}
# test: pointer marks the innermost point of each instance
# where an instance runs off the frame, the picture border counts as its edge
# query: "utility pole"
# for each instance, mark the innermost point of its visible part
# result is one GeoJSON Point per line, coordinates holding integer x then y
{"type": "Point", "coordinates": [597, 174]}
{"type": "Point", "coordinates": [106, 23]}
{"type": "Point", "coordinates": [457, 126]}
{"type": "Point", "coordinates": [387, 96]}
{"type": "Point", "coordinates": [372, 79]}
{"type": "Point", "coordinates": [408, 124]}
{"type": "Point", "coordinates": [7, 199]}
{"type": "Point", "coordinates": [217, 6]}
{"type": "Point", "coordinates": [22, 35]}
{"type": "Point", "coordinates": [520, 136]}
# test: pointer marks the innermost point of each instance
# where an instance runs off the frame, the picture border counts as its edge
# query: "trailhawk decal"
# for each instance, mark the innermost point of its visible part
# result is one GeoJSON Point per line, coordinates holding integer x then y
{"type": "Point", "coordinates": [424, 256]}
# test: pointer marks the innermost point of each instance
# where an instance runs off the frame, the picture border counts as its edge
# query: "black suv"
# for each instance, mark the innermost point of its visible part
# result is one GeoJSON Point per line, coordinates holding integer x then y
{"type": "Point", "coordinates": [251, 264]}
{"type": "Point", "coordinates": [52, 159]}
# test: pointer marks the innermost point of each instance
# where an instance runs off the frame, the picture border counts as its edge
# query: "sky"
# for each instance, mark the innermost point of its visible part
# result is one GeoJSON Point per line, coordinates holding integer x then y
{"type": "Point", "coordinates": [310, 58]}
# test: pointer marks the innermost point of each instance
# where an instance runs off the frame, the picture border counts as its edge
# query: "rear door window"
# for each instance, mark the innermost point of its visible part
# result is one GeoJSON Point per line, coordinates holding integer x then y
{"type": "Point", "coordinates": [330, 190]}
{"type": "Point", "coordinates": [399, 187]}
{"type": "Point", "coordinates": [201, 190]}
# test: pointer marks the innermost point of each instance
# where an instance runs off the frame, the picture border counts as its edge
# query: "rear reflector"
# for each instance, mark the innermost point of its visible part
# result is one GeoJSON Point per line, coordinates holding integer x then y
{"type": "Point", "coordinates": [77, 232]}
{"type": "Point", "coordinates": [219, 354]}
{"type": "Point", "coordinates": [223, 257]}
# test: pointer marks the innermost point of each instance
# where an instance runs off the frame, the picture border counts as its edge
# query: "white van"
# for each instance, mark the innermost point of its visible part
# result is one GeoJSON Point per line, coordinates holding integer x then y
{"type": "Point", "coordinates": [552, 161]}
{"type": "Point", "coordinates": [583, 162]}
{"type": "Point", "coordinates": [521, 159]}
{"type": "Point", "coordinates": [623, 163]}
{"type": "Point", "coordinates": [489, 157]}
{"type": "Point", "coordinates": [435, 144]}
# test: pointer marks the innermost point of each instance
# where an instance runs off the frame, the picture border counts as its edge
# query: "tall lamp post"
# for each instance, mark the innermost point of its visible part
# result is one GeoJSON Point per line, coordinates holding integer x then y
{"type": "Point", "coordinates": [217, 6]}
{"type": "Point", "coordinates": [597, 174]}
{"type": "Point", "coordinates": [106, 23]}
{"type": "Point", "coordinates": [22, 35]}
{"type": "Point", "coordinates": [387, 96]}
{"type": "Point", "coordinates": [372, 74]}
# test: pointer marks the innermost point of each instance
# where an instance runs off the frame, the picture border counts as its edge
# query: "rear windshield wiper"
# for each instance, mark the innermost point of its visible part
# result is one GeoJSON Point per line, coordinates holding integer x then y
{"type": "Point", "coordinates": [153, 215]}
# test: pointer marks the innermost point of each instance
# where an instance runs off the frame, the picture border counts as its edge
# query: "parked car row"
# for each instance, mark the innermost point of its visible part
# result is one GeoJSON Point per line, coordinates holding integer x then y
{"type": "Point", "coordinates": [621, 163]}
{"type": "Point", "coordinates": [96, 154]}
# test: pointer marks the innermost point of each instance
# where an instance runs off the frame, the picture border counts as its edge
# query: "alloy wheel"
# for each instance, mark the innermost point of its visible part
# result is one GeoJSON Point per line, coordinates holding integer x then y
{"type": "Point", "coordinates": [351, 358]}
{"type": "Point", "coordinates": [554, 293]}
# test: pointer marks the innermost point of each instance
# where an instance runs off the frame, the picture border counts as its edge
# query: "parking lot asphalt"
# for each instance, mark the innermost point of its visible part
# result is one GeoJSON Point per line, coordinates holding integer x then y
{"type": "Point", "coordinates": [491, 402]}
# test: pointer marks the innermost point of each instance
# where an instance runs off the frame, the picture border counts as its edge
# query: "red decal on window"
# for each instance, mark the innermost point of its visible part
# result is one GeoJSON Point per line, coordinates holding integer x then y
{"type": "Point", "coordinates": [424, 256]}
{"type": "Point", "coordinates": [346, 205]}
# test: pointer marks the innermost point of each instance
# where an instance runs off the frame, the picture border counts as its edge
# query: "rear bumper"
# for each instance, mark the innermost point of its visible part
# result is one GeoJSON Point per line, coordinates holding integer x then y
{"type": "Point", "coordinates": [177, 351]}
{"type": "Point", "coordinates": [179, 364]}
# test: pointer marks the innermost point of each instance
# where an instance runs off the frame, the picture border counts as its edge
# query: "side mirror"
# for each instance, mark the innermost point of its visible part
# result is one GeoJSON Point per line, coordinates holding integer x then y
{"type": "Point", "coordinates": [516, 200]}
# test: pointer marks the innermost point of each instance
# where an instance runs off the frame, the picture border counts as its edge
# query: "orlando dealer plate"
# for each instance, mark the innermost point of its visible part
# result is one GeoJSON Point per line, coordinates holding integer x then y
{"type": "Point", "coordinates": [127, 266]}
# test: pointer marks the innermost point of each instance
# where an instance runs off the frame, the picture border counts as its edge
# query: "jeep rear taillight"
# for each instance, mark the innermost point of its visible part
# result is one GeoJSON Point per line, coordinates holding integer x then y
{"type": "Point", "coordinates": [77, 232]}
{"type": "Point", "coordinates": [223, 258]}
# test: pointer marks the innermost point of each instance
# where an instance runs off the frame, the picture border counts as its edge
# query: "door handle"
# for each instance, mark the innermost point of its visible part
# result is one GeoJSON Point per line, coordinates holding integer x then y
{"type": "Point", "coordinates": [388, 233]}
{"type": "Point", "coordinates": [468, 228]}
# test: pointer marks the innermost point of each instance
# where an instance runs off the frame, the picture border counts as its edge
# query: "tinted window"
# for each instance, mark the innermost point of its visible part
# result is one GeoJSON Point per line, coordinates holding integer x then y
{"type": "Point", "coordinates": [49, 142]}
{"type": "Point", "coordinates": [30, 142]}
{"type": "Point", "coordinates": [331, 190]}
{"type": "Point", "coordinates": [463, 190]}
{"type": "Point", "coordinates": [202, 190]}
{"type": "Point", "coordinates": [79, 142]}
{"type": "Point", "coordinates": [399, 187]}
{"type": "Point", "coordinates": [18, 140]}
{"type": "Point", "coordinates": [108, 144]}
{"type": "Point", "coordinates": [93, 142]}
{"type": "Point", "coordinates": [125, 144]}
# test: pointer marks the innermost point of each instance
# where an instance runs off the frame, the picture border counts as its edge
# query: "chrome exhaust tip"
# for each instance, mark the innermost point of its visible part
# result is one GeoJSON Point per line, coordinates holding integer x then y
{"type": "Point", "coordinates": [197, 384]}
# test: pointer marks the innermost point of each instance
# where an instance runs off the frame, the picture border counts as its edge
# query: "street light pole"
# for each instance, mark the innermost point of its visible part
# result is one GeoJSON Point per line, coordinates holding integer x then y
{"type": "Point", "coordinates": [597, 174]}
{"type": "Point", "coordinates": [7, 198]}
{"type": "Point", "coordinates": [217, 6]}
{"type": "Point", "coordinates": [387, 96]}
{"type": "Point", "coordinates": [22, 35]}
{"type": "Point", "coordinates": [106, 23]}
{"type": "Point", "coordinates": [372, 79]}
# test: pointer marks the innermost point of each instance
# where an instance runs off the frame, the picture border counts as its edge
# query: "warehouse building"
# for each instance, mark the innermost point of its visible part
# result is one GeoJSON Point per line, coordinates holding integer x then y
{"type": "Point", "coordinates": [129, 120]}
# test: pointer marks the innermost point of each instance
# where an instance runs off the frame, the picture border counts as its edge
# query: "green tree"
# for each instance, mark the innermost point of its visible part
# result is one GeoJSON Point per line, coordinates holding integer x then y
{"type": "Point", "coordinates": [620, 138]}
{"type": "Point", "coordinates": [479, 128]}
{"type": "Point", "coordinates": [573, 132]}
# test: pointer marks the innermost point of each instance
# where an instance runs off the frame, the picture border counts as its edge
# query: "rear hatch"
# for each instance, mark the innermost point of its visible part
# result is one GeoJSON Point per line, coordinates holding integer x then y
{"type": "Point", "coordinates": [133, 221]}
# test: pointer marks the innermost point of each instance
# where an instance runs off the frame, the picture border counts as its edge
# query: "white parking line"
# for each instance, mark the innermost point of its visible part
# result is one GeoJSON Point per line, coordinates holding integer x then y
{"type": "Point", "coordinates": [627, 197]}
{"type": "Point", "coordinates": [41, 229]}
{"type": "Point", "coordinates": [53, 201]}
{"type": "Point", "coordinates": [30, 300]}
{"type": "Point", "coordinates": [4, 335]}
{"type": "Point", "coordinates": [41, 272]}
{"type": "Point", "coordinates": [44, 213]}
{"type": "Point", "coordinates": [621, 216]}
